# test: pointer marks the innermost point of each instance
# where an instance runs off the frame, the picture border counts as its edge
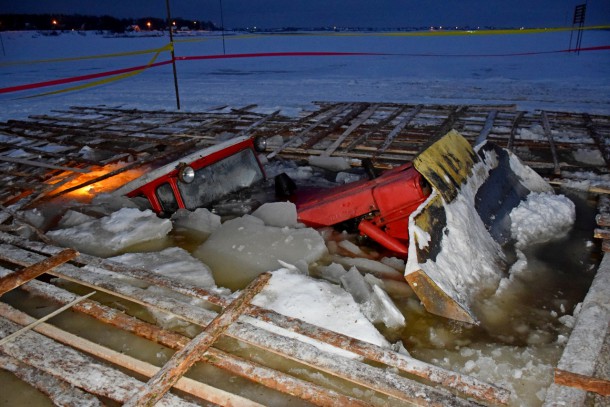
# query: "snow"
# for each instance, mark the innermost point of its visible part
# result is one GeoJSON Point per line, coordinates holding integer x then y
{"type": "Point", "coordinates": [541, 217]}
{"type": "Point", "coordinates": [470, 69]}
{"type": "Point", "coordinates": [317, 302]}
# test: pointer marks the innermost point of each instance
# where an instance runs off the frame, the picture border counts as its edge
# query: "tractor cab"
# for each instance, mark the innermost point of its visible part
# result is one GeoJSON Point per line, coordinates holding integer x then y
{"type": "Point", "coordinates": [200, 178]}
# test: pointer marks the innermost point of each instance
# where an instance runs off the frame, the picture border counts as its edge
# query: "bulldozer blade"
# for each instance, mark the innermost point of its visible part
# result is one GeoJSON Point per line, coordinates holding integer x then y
{"type": "Point", "coordinates": [458, 236]}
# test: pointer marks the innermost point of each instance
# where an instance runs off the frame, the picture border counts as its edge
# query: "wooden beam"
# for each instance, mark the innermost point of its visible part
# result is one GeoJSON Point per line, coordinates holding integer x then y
{"type": "Point", "coordinates": [26, 274]}
{"type": "Point", "coordinates": [396, 130]}
{"type": "Point", "coordinates": [549, 135]}
{"type": "Point", "coordinates": [297, 140]}
{"type": "Point", "coordinates": [252, 371]}
{"type": "Point", "coordinates": [59, 392]}
{"type": "Point", "coordinates": [592, 384]}
{"type": "Point", "coordinates": [182, 360]}
{"type": "Point", "coordinates": [43, 165]}
{"type": "Point", "coordinates": [361, 119]}
{"type": "Point", "coordinates": [453, 380]}
{"type": "Point", "coordinates": [513, 130]}
{"type": "Point", "coordinates": [110, 383]}
{"type": "Point", "coordinates": [370, 377]}
{"type": "Point", "coordinates": [489, 124]}
{"type": "Point", "coordinates": [72, 366]}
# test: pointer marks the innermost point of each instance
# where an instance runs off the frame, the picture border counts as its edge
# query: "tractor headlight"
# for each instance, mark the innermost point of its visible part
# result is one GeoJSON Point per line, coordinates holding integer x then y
{"type": "Point", "coordinates": [260, 144]}
{"type": "Point", "coordinates": [186, 174]}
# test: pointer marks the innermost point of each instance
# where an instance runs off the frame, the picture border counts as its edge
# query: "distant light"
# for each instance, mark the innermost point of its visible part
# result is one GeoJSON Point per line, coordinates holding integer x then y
{"type": "Point", "coordinates": [54, 22]}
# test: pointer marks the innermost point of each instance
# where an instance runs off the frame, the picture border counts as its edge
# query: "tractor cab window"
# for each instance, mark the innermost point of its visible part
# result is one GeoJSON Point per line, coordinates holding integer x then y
{"type": "Point", "coordinates": [217, 180]}
{"type": "Point", "coordinates": [166, 197]}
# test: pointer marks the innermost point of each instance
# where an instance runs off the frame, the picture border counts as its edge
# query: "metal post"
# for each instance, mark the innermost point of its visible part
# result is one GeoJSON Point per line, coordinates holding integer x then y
{"type": "Point", "coordinates": [222, 23]}
{"type": "Point", "coordinates": [2, 42]}
{"type": "Point", "coordinates": [171, 41]}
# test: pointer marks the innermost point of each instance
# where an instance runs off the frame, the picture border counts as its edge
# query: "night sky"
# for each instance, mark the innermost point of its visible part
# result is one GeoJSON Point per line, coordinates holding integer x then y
{"type": "Point", "coordinates": [340, 13]}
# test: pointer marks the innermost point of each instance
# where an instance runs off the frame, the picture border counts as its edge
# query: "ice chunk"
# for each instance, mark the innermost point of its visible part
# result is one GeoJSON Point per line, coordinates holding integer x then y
{"type": "Point", "coordinates": [332, 272]}
{"type": "Point", "coordinates": [395, 263]}
{"type": "Point", "coordinates": [335, 164]}
{"type": "Point", "coordinates": [346, 178]}
{"type": "Point", "coordinates": [242, 248]}
{"type": "Point", "coordinates": [374, 302]}
{"type": "Point", "coordinates": [112, 203]}
{"type": "Point", "coordinates": [388, 312]}
{"type": "Point", "coordinates": [370, 266]}
{"type": "Point", "coordinates": [200, 220]}
{"type": "Point", "coordinates": [278, 214]}
{"type": "Point", "coordinates": [351, 247]}
{"type": "Point", "coordinates": [73, 218]}
{"type": "Point", "coordinates": [110, 235]}
{"type": "Point", "coordinates": [174, 263]}
{"type": "Point", "coordinates": [356, 285]}
{"type": "Point", "coordinates": [319, 303]}
{"type": "Point", "coordinates": [34, 217]}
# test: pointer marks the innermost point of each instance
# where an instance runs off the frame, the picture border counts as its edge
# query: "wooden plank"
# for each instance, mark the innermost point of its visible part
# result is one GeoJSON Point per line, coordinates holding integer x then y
{"type": "Point", "coordinates": [252, 371]}
{"type": "Point", "coordinates": [591, 384]}
{"type": "Point", "coordinates": [363, 137]}
{"type": "Point", "coordinates": [297, 140]}
{"type": "Point", "coordinates": [37, 322]}
{"type": "Point", "coordinates": [17, 278]}
{"type": "Point", "coordinates": [361, 119]}
{"type": "Point", "coordinates": [193, 387]}
{"type": "Point", "coordinates": [72, 366]}
{"type": "Point", "coordinates": [373, 378]}
{"type": "Point", "coordinates": [182, 360]}
{"type": "Point", "coordinates": [335, 126]}
{"type": "Point", "coordinates": [43, 165]}
{"type": "Point", "coordinates": [489, 124]}
{"type": "Point", "coordinates": [396, 130]}
{"type": "Point", "coordinates": [59, 392]}
{"type": "Point", "coordinates": [602, 145]}
{"type": "Point", "coordinates": [549, 135]}
{"type": "Point", "coordinates": [453, 380]}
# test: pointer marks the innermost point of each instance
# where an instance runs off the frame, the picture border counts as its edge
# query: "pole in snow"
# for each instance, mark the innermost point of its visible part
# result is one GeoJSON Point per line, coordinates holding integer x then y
{"type": "Point", "coordinates": [171, 41]}
{"type": "Point", "coordinates": [222, 23]}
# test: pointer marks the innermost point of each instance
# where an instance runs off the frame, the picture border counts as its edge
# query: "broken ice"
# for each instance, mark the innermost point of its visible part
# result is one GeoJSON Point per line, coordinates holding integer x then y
{"type": "Point", "coordinates": [242, 248]}
{"type": "Point", "coordinates": [110, 235]}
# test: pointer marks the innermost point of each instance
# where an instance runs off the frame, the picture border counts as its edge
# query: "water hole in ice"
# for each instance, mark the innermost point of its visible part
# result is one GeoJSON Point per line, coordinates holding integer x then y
{"type": "Point", "coordinates": [522, 332]}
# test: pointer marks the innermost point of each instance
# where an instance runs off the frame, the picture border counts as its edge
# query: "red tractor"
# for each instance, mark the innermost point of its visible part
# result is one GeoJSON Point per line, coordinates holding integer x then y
{"type": "Point", "coordinates": [380, 207]}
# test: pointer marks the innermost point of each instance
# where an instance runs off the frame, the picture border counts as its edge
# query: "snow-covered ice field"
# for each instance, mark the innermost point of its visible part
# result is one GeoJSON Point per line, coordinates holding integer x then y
{"type": "Point", "coordinates": [521, 338]}
{"type": "Point", "coordinates": [470, 69]}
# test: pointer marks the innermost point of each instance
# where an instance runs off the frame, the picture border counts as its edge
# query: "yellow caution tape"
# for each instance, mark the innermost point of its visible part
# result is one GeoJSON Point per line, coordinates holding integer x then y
{"type": "Point", "coordinates": [105, 80]}
{"type": "Point", "coordinates": [166, 47]}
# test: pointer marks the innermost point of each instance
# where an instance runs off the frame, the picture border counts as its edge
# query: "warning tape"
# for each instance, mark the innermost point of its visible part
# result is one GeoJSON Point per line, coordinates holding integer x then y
{"type": "Point", "coordinates": [166, 47]}
{"type": "Point", "coordinates": [119, 74]}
